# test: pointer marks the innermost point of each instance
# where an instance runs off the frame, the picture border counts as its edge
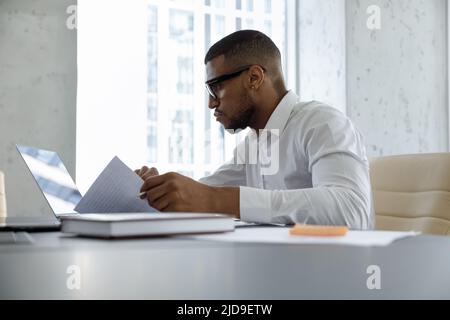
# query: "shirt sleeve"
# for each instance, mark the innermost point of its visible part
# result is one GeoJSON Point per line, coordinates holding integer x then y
{"type": "Point", "coordinates": [337, 162]}
{"type": "Point", "coordinates": [229, 174]}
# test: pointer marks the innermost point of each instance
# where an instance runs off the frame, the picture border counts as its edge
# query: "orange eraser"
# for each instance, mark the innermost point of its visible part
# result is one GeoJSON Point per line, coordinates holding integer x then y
{"type": "Point", "coordinates": [318, 231]}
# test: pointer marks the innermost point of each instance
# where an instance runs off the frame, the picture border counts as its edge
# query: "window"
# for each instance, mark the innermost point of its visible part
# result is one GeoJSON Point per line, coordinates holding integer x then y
{"type": "Point", "coordinates": [141, 80]}
{"type": "Point", "coordinates": [196, 143]}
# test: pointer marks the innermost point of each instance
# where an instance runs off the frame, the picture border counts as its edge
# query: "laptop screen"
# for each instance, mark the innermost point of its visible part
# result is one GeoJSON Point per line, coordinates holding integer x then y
{"type": "Point", "coordinates": [53, 179]}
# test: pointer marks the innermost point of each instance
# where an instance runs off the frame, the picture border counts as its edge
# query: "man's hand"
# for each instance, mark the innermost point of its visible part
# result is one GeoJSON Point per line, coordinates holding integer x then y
{"type": "Point", "coordinates": [177, 193]}
{"type": "Point", "coordinates": [145, 172]}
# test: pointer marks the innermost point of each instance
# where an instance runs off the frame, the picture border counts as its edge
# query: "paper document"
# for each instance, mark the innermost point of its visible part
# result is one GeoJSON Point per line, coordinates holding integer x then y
{"type": "Point", "coordinates": [116, 190]}
{"type": "Point", "coordinates": [281, 235]}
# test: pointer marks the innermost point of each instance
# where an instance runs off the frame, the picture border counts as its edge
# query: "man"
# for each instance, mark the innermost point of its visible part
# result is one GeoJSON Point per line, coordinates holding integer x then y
{"type": "Point", "coordinates": [322, 174]}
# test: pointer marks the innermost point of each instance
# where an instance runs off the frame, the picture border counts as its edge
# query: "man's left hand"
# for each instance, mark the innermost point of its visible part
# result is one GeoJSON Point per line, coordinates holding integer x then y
{"type": "Point", "coordinates": [175, 192]}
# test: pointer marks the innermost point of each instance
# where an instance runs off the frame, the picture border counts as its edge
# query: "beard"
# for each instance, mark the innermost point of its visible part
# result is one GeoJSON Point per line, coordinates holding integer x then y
{"type": "Point", "coordinates": [242, 119]}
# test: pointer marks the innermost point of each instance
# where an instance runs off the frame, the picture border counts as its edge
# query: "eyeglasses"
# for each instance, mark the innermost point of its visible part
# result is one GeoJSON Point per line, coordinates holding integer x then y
{"type": "Point", "coordinates": [211, 85]}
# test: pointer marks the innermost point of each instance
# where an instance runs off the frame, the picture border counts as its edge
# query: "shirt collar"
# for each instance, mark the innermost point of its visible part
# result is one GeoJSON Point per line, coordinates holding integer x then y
{"type": "Point", "coordinates": [280, 115]}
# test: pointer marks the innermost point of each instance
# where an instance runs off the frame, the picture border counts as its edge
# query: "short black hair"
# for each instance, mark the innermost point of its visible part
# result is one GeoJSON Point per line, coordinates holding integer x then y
{"type": "Point", "coordinates": [245, 47]}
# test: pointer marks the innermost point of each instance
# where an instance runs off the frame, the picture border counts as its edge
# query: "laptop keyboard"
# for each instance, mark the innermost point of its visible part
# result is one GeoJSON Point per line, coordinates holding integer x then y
{"type": "Point", "coordinates": [15, 238]}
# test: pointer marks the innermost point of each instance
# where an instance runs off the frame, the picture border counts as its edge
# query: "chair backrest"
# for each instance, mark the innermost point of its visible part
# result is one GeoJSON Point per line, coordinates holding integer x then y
{"type": "Point", "coordinates": [2, 196]}
{"type": "Point", "coordinates": [412, 192]}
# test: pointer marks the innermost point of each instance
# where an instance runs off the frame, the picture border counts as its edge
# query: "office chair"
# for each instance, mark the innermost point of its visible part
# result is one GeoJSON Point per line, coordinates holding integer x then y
{"type": "Point", "coordinates": [412, 192]}
{"type": "Point", "coordinates": [2, 196]}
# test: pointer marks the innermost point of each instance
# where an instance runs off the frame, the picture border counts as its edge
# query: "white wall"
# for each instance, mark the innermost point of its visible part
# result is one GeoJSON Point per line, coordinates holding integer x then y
{"type": "Point", "coordinates": [392, 82]}
{"type": "Point", "coordinates": [37, 93]}
{"type": "Point", "coordinates": [322, 52]}
{"type": "Point", "coordinates": [397, 76]}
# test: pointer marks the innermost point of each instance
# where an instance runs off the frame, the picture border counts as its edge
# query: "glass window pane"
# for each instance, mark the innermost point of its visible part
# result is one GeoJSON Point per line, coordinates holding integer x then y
{"type": "Point", "coordinates": [238, 4]}
{"type": "Point", "coordinates": [207, 31]}
{"type": "Point", "coordinates": [152, 50]}
{"type": "Point", "coordinates": [220, 26]}
{"type": "Point", "coordinates": [152, 144]}
{"type": "Point", "coordinates": [181, 113]}
{"type": "Point", "coordinates": [267, 26]}
{"type": "Point", "coordinates": [249, 24]}
{"type": "Point", "coordinates": [181, 38]}
{"type": "Point", "coordinates": [189, 3]}
{"type": "Point", "coordinates": [268, 6]}
{"type": "Point", "coordinates": [218, 4]}
{"type": "Point", "coordinates": [238, 24]}
{"type": "Point", "coordinates": [152, 83]}
{"type": "Point", "coordinates": [152, 107]}
{"type": "Point", "coordinates": [250, 5]}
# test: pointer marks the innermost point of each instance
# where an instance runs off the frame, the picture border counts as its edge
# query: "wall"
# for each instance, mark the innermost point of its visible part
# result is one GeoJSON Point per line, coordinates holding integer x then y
{"type": "Point", "coordinates": [322, 52]}
{"type": "Point", "coordinates": [397, 76]}
{"type": "Point", "coordinates": [37, 93]}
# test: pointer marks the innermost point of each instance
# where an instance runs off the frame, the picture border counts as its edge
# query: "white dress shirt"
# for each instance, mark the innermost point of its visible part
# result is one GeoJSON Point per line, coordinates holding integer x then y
{"type": "Point", "coordinates": [321, 174]}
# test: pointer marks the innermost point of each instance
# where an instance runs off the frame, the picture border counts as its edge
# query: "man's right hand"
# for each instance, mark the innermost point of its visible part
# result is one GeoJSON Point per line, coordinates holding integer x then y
{"type": "Point", "coordinates": [146, 172]}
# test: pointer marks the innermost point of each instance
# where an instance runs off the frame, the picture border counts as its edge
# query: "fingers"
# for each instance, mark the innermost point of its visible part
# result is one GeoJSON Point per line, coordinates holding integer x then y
{"type": "Point", "coordinates": [168, 203]}
{"type": "Point", "coordinates": [153, 181]}
{"type": "Point", "coordinates": [145, 172]}
{"type": "Point", "coordinates": [142, 171]}
{"type": "Point", "coordinates": [150, 173]}
{"type": "Point", "coordinates": [161, 204]}
{"type": "Point", "coordinates": [155, 193]}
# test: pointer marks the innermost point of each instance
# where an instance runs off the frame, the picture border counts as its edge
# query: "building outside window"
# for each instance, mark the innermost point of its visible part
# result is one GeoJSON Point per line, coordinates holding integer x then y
{"type": "Point", "coordinates": [183, 135]}
{"type": "Point", "coordinates": [141, 75]}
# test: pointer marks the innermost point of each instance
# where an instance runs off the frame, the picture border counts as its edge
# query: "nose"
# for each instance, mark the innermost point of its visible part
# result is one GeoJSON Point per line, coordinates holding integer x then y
{"type": "Point", "coordinates": [213, 103]}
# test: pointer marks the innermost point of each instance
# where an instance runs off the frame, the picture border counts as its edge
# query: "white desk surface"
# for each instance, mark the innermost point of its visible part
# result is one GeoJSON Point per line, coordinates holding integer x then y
{"type": "Point", "coordinates": [173, 268]}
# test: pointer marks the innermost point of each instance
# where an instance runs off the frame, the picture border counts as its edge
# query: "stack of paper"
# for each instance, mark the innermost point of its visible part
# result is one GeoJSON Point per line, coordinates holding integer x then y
{"type": "Point", "coordinates": [281, 235]}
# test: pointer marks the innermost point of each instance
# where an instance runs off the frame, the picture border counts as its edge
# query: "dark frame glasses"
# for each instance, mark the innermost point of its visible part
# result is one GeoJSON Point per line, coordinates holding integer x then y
{"type": "Point", "coordinates": [211, 83]}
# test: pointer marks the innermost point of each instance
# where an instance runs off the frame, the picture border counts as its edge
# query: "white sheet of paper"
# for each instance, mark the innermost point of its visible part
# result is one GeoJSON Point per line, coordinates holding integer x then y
{"type": "Point", "coordinates": [281, 235]}
{"type": "Point", "coordinates": [115, 190]}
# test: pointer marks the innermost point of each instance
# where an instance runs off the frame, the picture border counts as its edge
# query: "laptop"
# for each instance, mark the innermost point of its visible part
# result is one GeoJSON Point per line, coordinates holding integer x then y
{"type": "Point", "coordinates": [55, 183]}
{"type": "Point", "coordinates": [62, 195]}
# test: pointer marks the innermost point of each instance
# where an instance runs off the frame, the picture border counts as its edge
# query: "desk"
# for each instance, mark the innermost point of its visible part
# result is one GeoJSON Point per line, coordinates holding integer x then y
{"type": "Point", "coordinates": [175, 268]}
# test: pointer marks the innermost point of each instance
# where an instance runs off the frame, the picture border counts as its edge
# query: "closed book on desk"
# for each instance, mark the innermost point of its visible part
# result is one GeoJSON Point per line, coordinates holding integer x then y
{"type": "Point", "coordinates": [115, 225]}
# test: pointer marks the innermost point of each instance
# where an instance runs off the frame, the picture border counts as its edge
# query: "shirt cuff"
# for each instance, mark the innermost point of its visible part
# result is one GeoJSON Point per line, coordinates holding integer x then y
{"type": "Point", "coordinates": [255, 205]}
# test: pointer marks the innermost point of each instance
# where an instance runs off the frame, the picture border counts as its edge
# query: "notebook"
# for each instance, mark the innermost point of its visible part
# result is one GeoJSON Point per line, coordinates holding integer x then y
{"type": "Point", "coordinates": [118, 225]}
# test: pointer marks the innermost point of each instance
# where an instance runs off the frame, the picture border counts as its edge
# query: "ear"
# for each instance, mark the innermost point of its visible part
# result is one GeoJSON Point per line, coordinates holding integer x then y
{"type": "Point", "coordinates": [256, 76]}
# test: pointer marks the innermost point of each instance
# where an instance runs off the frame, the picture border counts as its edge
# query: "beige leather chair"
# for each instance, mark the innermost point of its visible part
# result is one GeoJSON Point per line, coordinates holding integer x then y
{"type": "Point", "coordinates": [412, 192]}
{"type": "Point", "coordinates": [2, 196]}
